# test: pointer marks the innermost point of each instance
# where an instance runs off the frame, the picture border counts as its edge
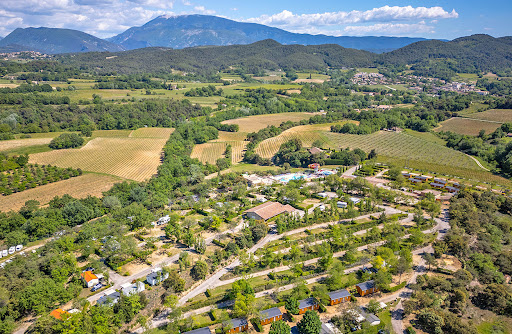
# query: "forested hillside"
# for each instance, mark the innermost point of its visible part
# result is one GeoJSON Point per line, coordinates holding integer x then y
{"type": "Point", "coordinates": [472, 54]}
{"type": "Point", "coordinates": [266, 54]}
{"type": "Point", "coordinates": [469, 54]}
{"type": "Point", "coordinates": [54, 40]}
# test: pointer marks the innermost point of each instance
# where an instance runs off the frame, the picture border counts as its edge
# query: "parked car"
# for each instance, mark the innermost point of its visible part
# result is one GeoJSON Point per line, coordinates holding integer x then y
{"type": "Point", "coordinates": [12, 250]}
{"type": "Point", "coordinates": [96, 287]}
{"type": "Point", "coordinates": [19, 247]}
{"type": "Point", "coordinates": [5, 252]}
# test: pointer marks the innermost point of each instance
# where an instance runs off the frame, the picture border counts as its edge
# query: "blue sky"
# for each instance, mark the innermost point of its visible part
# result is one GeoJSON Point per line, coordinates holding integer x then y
{"type": "Point", "coordinates": [431, 19]}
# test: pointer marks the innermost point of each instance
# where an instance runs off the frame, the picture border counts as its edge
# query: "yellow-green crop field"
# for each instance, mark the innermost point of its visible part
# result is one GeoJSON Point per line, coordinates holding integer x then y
{"type": "Point", "coordinates": [134, 157]}
{"type": "Point", "coordinates": [467, 126]}
{"type": "Point", "coordinates": [78, 187]}
{"type": "Point", "coordinates": [258, 122]}
{"type": "Point", "coordinates": [494, 115]}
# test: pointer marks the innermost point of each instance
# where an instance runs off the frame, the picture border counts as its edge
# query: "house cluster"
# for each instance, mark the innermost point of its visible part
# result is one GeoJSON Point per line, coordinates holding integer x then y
{"type": "Point", "coordinates": [364, 79]}
{"type": "Point", "coordinates": [271, 315]}
{"type": "Point", "coordinates": [436, 183]}
{"type": "Point", "coordinates": [460, 87]}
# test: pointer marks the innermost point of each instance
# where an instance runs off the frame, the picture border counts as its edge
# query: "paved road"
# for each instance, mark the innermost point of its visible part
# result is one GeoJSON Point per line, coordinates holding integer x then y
{"type": "Point", "coordinates": [397, 315]}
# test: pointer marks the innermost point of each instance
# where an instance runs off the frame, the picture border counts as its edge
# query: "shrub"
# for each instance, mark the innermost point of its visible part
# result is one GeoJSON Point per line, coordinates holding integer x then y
{"type": "Point", "coordinates": [66, 140]}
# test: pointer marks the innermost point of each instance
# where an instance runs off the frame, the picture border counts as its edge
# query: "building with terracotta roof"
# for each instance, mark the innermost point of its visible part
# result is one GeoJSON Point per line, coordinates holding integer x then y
{"type": "Point", "coordinates": [89, 279]}
{"type": "Point", "coordinates": [57, 314]}
{"type": "Point", "coordinates": [268, 210]}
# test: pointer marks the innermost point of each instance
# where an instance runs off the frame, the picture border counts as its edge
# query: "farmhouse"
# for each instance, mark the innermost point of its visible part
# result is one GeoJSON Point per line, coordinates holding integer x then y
{"type": "Point", "coordinates": [270, 315]}
{"type": "Point", "coordinates": [236, 325]}
{"type": "Point", "coordinates": [366, 288]}
{"type": "Point", "coordinates": [315, 150]}
{"type": "Point", "coordinates": [339, 296]}
{"type": "Point", "coordinates": [157, 276]}
{"type": "Point", "coordinates": [89, 279]}
{"type": "Point", "coordinates": [268, 210]}
{"type": "Point", "coordinates": [132, 289]}
{"type": "Point", "coordinates": [204, 330]}
{"type": "Point", "coordinates": [308, 304]}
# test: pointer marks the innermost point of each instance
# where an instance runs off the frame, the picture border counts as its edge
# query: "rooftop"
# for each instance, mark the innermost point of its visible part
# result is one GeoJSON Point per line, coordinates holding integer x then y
{"type": "Point", "coordinates": [366, 285]}
{"type": "Point", "coordinates": [339, 294]}
{"type": "Point", "coordinates": [88, 276]}
{"type": "Point", "coordinates": [204, 330]}
{"type": "Point", "coordinates": [238, 322]}
{"type": "Point", "coordinates": [57, 314]}
{"type": "Point", "coordinates": [307, 302]}
{"type": "Point", "coordinates": [270, 313]}
{"type": "Point", "coordinates": [268, 210]}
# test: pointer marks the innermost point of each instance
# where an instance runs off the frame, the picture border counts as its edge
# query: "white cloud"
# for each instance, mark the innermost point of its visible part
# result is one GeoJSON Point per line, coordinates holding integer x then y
{"type": "Point", "coordinates": [102, 18]}
{"type": "Point", "coordinates": [390, 29]}
{"type": "Point", "coordinates": [203, 10]}
{"type": "Point", "coordinates": [288, 19]}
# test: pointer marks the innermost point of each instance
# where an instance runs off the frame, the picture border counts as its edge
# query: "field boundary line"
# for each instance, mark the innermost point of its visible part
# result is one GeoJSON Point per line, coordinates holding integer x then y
{"type": "Point", "coordinates": [481, 120]}
{"type": "Point", "coordinates": [478, 163]}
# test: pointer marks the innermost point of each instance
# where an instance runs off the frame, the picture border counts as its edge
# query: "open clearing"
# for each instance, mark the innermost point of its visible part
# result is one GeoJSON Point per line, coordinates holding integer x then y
{"type": "Point", "coordinates": [78, 187]}
{"type": "Point", "coordinates": [466, 126]}
{"type": "Point", "coordinates": [258, 122]}
{"type": "Point", "coordinates": [494, 115]}
{"type": "Point", "coordinates": [8, 145]}
{"type": "Point", "coordinates": [128, 157]}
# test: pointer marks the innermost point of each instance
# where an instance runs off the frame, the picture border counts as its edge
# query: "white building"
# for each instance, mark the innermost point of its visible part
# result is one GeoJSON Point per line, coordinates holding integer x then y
{"type": "Point", "coordinates": [132, 289]}
{"type": "Point", "coordinates": [157, 276]}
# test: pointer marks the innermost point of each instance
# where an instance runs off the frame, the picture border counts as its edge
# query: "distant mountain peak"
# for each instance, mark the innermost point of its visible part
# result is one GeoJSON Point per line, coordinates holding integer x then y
{"type": "Point", "coordinates": [56, 40]}
{"type": "Point", "coordinates": [183, 31]}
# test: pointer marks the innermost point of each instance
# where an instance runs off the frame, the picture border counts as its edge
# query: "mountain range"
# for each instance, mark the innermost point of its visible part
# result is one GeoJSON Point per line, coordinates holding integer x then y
{"type": "Point", "coordinates": [470, 54]}
{"type": "Point", "coordinates": [184, 31]}
{"type": "Point", "coordinates": [199, 30]}
{"type": "Point", "coordinates": [55, 40]}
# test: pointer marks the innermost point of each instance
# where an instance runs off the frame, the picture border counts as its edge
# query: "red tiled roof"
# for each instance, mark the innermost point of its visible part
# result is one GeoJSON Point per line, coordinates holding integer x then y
{"type": "Point", "coordinates": [57, 314]}
{"type": "Point", "coordinates": [88, 276]}
{"type": "Point", "coordinates": [270, 209]}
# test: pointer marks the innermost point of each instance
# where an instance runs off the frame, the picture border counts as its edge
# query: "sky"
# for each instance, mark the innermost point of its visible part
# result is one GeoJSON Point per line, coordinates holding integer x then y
{"type": "Point", "coordinates": [430, 19]}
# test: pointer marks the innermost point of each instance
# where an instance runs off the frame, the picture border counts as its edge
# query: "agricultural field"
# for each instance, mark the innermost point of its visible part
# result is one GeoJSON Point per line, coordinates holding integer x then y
{"type": "Point", "coordinates": [78, 187]}
{"type": "Point", "coordinates": [312, 77]}
{"type": "Point", "coordinates": [16, 144]}
{"type": "Point", "coordinates": [473, 108]}
{"type": "Point", "coordinates": [306, 133]}
{"type": "Point", "coordinates": [83, 90]}
{"type": "Point", "coordinates": [391, 144]}
{"type": "Point", "coordinates": [258, 122]}
{"type": "Point", "coordinates": [208, 152]}
{"type": "Point", "coordinates": [467, 126]}
{"type": "Point", "coordinates": [494, 115]}
{"type": "Point", "coordinates": [214, 149]}
{"type": "Point", "coordinates": [126, 157]}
